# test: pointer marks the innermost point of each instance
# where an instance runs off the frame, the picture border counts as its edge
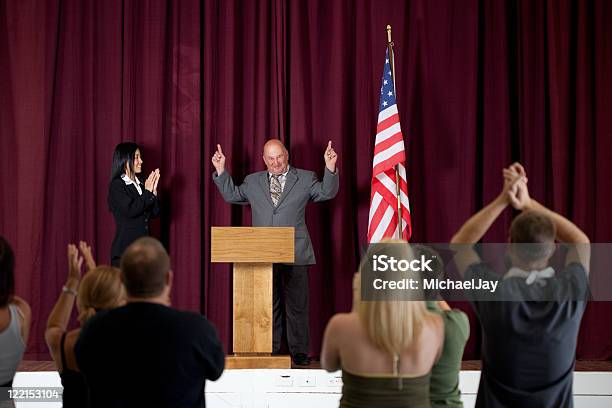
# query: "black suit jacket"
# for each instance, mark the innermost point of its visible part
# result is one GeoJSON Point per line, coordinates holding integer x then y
{"type": "Point", "coordinates": [132, 212]}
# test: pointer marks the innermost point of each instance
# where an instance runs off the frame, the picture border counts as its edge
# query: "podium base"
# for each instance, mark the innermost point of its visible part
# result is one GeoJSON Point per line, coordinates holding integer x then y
{"type": "Point", "coordinates": [265, 361]}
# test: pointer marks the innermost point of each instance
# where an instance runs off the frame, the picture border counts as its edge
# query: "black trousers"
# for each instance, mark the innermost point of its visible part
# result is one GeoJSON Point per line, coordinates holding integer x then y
{"type": "Point", "coordinates": [293, 280]}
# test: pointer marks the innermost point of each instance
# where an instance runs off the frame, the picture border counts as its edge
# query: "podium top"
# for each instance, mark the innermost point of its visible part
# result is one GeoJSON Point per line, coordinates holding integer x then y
{"type": "Point", "coordinates": [252, 244]}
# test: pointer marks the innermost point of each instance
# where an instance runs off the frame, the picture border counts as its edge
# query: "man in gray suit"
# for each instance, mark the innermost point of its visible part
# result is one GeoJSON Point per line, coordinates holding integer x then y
{"type": "Point", "coordinates": [278, 198]}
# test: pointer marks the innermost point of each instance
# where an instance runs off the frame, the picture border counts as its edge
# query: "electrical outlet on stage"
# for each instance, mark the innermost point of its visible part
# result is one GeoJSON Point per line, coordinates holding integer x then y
{"type": "Point", "coordinates": [305, 381]}
{"type": "Point", "coordinates": [334, 381]}
{"type": "Point", "coordinates": [284, 381]}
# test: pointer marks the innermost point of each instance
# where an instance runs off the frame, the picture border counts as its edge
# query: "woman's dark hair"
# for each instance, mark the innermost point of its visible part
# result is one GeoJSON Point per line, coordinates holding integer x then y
{"type": "Point", "coordinates": [7, 279]}
{"type": "Point", "coordinates": [124, 154]}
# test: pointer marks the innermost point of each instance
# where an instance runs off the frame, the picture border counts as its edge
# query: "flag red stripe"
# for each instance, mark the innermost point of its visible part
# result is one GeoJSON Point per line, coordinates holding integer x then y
{"type": "Point", "coordinates": [391, 227]}
{"type": "Point", "coordinates": [376, 218]}
{"type": "Point", "coordinates": [387, 143]}
{"type": "Point", "coordinates": [387, 123]}
{"type": "Point", "coordinates": [389, 163]}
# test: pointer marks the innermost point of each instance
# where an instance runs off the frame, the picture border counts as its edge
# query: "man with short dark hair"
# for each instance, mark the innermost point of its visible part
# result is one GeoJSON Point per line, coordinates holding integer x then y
{"type": "Point", "coordinates": [530, 326]}
{"type": "Point", "coordinates": [146, 354]}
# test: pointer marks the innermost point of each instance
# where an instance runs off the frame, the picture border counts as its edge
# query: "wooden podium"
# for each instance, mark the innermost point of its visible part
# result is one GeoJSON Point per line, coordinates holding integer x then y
{"type": "Point", "coordinates": [253, 250]}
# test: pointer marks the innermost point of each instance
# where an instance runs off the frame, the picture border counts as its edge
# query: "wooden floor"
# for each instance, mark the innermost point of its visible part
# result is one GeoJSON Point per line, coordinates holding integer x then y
{"type": "Point", "coordinates": [471, 365]}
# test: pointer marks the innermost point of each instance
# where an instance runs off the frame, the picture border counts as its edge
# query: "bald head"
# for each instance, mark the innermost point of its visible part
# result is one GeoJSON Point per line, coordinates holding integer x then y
{"type": "Point", "coordinates": [276, 156]}
{"type": "Point", "coordinates": [144, 266]}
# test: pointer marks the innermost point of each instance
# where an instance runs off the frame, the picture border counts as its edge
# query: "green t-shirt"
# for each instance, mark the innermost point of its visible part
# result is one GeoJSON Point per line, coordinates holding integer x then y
{"type": "Point", "coordinates": [444, 389]}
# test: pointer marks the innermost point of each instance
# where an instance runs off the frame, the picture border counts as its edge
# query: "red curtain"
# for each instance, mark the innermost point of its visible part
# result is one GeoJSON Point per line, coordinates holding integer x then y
{"type": "Point", "coordinates": [480, 84]}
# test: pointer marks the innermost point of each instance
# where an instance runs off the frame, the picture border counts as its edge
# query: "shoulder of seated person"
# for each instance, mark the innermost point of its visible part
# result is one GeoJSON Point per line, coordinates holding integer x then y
{"type": "Point", "coordinates": [96, 319]}
{"type": "Point", "coordinates": [21, 304]}
{"type": "Point", "coordinates": [456, 316]}
{"type": "Point", "coordinates": [344, 320]}
{"type": "Point", "coordinates": [192, 317]}
{"type": "Point", "coordinates": [455, 312]}
{"type": "Point", "coordinates": [345, 317]}
{"type": "Point", "coordinates": [187, 314]}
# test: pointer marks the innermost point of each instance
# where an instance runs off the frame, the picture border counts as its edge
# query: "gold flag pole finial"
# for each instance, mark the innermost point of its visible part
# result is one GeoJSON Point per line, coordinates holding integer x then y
{"type": "Point", "coordinates": [400, 227]}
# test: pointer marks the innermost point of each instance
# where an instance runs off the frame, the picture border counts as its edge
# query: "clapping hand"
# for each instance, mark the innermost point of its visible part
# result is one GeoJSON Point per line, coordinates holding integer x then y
{"type": "Point", "coordinates": [330, 157]}
{"type": "Point", "coordinates": [152, 181]}
{"type": "Point", "coordinates": [156, 181]}
{"type": "Point", "coordinates": [218, 160]}
{"type": "Point", "coordinates": [512, 171]}
{"type": "Point", "coordinates": [86, 251]}
{"type": "Point", "coordinates": [515, 186]}
{"type": "Point", "coordinates": [74, 267]}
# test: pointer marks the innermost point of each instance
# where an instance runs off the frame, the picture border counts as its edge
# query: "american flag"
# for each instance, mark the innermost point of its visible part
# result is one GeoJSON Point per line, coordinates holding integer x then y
{"type": "Point", "coordinates": [388, 152]}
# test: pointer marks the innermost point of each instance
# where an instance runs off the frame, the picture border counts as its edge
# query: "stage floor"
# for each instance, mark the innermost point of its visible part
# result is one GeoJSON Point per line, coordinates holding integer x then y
{"type": "Point", "coordinates": [314, 387]}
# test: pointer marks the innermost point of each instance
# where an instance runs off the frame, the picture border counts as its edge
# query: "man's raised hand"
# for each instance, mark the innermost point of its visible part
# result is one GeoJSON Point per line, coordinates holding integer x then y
{"type": "Point", "coordinates": [218, 160]}
{"type": "Point", "coordinates": [330, 157]}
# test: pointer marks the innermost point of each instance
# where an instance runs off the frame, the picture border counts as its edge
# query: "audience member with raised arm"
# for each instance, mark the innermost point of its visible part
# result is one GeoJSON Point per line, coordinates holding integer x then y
{"type": "Point", "coordinates": [147, 354]}
{"type": "Point", "coordinates": [100, 289]}
{"type": "Point", "coordinates": [528, 346]}
{"type": "Point", "coordinates": [385, 348]}
{"type": "Point", "coordinates": [15, 319]}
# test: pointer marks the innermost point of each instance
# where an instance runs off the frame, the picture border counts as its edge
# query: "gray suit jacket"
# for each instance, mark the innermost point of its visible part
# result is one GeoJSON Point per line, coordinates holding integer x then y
{"type": "Point", "coordinates": [301, 186]}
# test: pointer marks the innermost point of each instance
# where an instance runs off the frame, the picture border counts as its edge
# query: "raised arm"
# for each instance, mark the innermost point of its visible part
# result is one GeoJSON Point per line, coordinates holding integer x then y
{"type": "Point", "coordinates": [474, 229]}
{"type": "Point", "coordinates": [225, 183]}
{"type": "Point", "coordinates": [328, 188]}
{"type": "Point", "coordinates": [57, 324]}
{"type": "Point", "coordinates": [230, 192]}
{"type": "Point", "coordinates": [218, 160]}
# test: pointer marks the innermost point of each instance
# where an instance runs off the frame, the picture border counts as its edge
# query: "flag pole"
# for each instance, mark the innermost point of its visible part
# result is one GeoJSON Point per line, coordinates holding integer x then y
{"type": "Point", "coordinates": [397, 176]}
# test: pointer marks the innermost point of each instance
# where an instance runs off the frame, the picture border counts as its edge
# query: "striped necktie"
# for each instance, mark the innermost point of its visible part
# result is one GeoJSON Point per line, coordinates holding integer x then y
{"type": "Point", "coordinates": [275, 188]}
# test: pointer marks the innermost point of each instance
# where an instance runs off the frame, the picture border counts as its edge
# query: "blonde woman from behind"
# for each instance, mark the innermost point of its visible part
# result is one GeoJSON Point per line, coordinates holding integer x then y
{"type": "Point", "coordinates": [101, 289]}
{"type": "Point", "coordinates": [385, 349]}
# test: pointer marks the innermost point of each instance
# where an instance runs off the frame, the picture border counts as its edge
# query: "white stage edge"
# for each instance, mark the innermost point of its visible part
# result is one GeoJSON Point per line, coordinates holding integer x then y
{"type": "Point", "coordinates": [317, 388]}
